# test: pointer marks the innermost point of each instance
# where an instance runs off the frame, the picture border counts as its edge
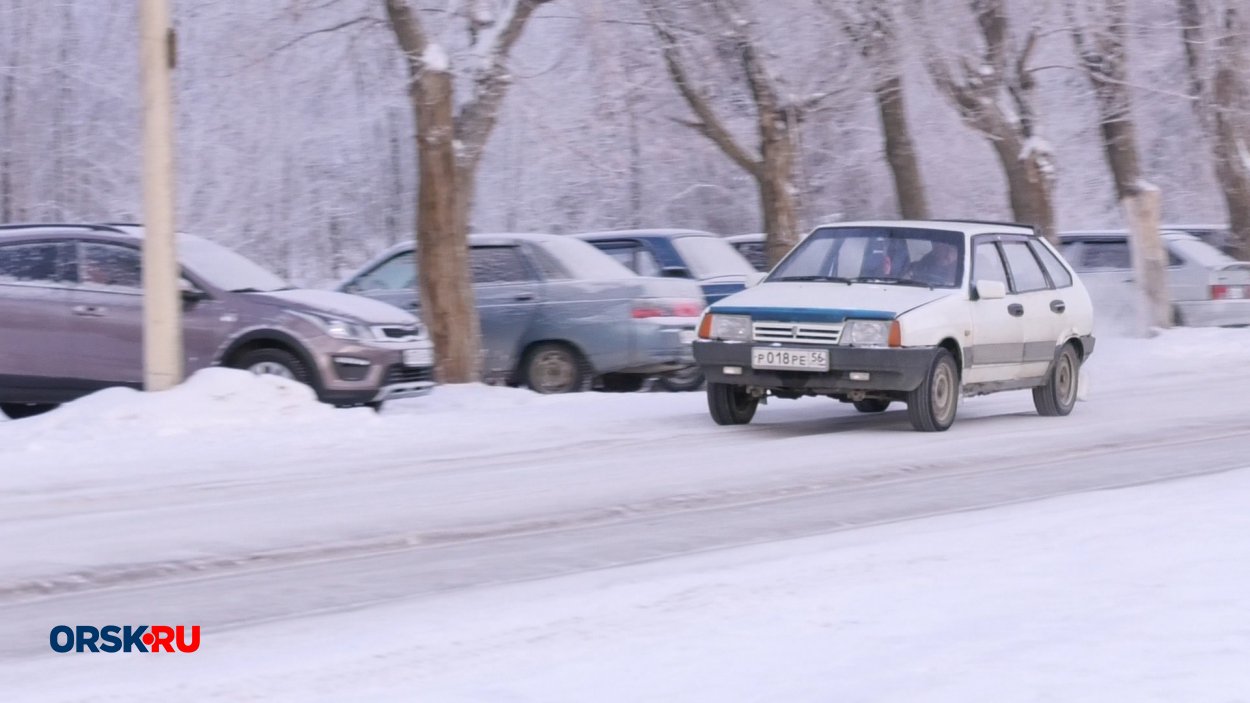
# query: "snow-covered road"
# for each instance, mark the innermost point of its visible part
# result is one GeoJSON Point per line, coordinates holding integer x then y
{"type": "Point", "coordinates": [229, 503]}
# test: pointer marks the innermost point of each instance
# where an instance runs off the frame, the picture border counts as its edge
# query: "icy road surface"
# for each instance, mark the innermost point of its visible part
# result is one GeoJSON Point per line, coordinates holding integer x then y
{"type": "Point", "coordinates": [231, 501]}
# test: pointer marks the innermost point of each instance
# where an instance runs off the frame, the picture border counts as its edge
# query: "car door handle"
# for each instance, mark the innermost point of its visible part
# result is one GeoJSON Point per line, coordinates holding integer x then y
{"type": "Point", "coordinates": [1015, 309]}
{"type": "Point", "coordinates": [521, 297]}
{"type": "Point", "coordinates": [1058, 306]}
{"type": "Point", "coordinates": [89, 310]}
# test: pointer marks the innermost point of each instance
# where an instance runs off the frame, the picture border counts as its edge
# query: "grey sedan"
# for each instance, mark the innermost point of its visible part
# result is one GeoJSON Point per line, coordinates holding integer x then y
{"type": "Point", "coordinates": [556, 313]}
{"type": "Point", "coordinates": [1207, 287]}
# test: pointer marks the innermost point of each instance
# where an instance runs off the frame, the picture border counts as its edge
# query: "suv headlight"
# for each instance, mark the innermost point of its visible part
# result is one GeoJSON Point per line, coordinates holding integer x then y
{"type": "Point", "coordinates": [333, 326]}
{"type": "Point", "coordinates": [730, 328]}
{"type": "Point", "coordinates": [870, 333]}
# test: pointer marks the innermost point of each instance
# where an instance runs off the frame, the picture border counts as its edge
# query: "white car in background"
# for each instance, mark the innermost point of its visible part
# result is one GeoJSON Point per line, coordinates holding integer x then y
{"type": "Point", "coordinates": [1207, 287]}
{"type": "Point", "coordinates": [921, 312]}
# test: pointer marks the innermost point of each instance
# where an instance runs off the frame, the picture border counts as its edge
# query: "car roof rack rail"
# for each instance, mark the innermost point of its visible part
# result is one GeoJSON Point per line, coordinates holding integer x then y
{"type": "Point", "coordinates": [61, 225]}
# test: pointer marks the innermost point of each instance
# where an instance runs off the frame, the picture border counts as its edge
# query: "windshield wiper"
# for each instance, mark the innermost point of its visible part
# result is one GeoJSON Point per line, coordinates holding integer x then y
{"type": "Point", "coordinates": [829, 279]}
{"type": "Point", "coordinates": [893, 280]}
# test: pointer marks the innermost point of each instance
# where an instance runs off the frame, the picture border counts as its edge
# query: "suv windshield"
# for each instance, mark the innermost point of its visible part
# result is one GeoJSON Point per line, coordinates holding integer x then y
{"type": "Point", "coordinates": [226, 268]}
{"type": "Point", "coordinates": [892, 255]}
{"type": "Point", "coordinates": [708, 257]}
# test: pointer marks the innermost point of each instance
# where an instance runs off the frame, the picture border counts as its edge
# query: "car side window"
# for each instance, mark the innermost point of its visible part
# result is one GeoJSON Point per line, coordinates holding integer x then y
{"type": "Point", "coordinates": [33, 263]}
{"type": "Point", "coordinates": [109, 266]}
{"type": "Point", "coordinates": [755, 253]}
{"type": "Point", "coordinates": [1058, 274]}
{"type": "Point", "coordinates": [1026, 273]}
{"type": "Point", "coordinates": [396, 273]}
{"type": "Point", "coordinates": [987, 264]}
{"type": "Point", "coordinates": [499, 265]}
{"type": "Point", "coordinates": [1105, 255]}
{"type": "Point", "coordinates": [633, 256]}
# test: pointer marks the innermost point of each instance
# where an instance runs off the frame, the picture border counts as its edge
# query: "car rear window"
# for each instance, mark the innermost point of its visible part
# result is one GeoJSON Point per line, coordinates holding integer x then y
{"type": "Point", "coordinates": [30, 263]}
{"type": "Point", "coordinates": [1054, 267]}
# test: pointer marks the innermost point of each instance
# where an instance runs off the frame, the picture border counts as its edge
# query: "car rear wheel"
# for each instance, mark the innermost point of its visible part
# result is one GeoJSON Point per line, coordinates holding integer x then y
{"type": "Point", "coordinates": [730, 405]}
{"type": "Point", "coordinates": [274, 362]}
{"type": "Point", "coordinates": [17, 411]}
{"type": "Point", "coordinates": [554, 368]}
{"type": "Point", "coordinates": [1058, 396]}
{"type": "Point", "coordinates": [931, 407]}
{"type": "Point", "coordinates": [872, 405]}
{"type": "Point", "coordinates": [688, 379]}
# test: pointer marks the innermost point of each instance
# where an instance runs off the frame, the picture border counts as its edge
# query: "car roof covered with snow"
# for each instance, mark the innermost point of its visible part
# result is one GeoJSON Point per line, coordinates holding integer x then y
{"type": "Point", "coordinates": [968, 227]}
{"type": "Point", "coordinates": [657, 232]}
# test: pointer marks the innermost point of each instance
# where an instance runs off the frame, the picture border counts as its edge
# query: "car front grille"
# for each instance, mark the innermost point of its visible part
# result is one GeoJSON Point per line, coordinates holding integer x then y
{"type": "Point", "coordinates": [407, 374]}
{"type": "Point", "coordinates": [396, 333]}
{"type": "Point", "coordinates": [796, 332]}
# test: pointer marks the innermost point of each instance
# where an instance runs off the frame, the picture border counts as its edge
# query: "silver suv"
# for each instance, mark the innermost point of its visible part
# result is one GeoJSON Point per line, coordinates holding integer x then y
{"type": "Point", "coordinates": [71, 310]}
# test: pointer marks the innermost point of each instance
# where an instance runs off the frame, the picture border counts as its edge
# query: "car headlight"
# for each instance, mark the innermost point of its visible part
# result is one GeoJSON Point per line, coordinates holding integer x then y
{"type": "Point", "coordinates": [731, 328]}
{"type": "Point", "coordinates": [333, 326]}
{"type": "Point", "coordinates": [870, 333]}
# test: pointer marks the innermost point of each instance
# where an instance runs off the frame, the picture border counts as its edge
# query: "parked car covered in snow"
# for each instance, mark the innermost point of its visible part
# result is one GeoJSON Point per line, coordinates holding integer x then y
{"type": "Point", "coordinates": [916, 311]}
{"type": "Point", "coordinates": [1207, 287]}
{"type": "Point", "coordinates": [555, 312]}
{"type": "Point", "coordinates": [71, 305]}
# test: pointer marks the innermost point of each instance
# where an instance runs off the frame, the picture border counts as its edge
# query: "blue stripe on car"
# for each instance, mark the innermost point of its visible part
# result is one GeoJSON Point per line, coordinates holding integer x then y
{"type": "Point", "coordinates": [805, 314]}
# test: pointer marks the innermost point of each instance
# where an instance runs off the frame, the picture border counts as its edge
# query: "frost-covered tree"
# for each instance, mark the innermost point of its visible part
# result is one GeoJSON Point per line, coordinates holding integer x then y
{"type": "Point", "coordinates": [1217, 51]}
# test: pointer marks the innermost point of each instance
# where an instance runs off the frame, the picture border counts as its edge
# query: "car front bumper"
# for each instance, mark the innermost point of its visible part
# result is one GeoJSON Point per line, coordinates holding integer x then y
{"type": "Point", "coordinates": [889, 370]}
{"type": "Point", "coordinates": [1214, 313]}
{"type": "Point", "coordinates": [364, 372]}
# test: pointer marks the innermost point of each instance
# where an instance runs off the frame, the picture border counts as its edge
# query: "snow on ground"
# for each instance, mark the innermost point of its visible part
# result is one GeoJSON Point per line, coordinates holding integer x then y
{"type": "Point", "coordinates": [1135, 594]}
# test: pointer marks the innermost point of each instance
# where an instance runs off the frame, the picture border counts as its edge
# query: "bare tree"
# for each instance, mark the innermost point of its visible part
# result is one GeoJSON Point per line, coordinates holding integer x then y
{"type": "Point", "coordinates": [993, 89]}
{"type": "Point", "coordinates": [1216, 34]}
{"type": "Point", "coordinates": [450, 140]}
{"type": "Point", "coordinates": [776, 118]}
{"type": "Point", "coordinates": [1099, 32]}
{"type": "Point", "coordinates": [873, 29]}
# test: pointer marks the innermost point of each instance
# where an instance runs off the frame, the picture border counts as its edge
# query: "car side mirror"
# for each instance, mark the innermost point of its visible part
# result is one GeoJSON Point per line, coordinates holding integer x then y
{"type": "Point", "coordinates": [755, 278]}
{"type": "Point", "coordinates": [190, 293]}
{"type": "Point", "coordinates": [991, 290]}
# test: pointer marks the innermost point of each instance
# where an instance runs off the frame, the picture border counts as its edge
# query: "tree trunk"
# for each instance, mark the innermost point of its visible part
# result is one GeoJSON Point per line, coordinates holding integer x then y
{"type": "Point", "coordinates": [1028, 185]}
{"type": "Point", "coordinates": [775, 177]}
{"type": "Point", "coordinates": [447, 305]}
{"type": "Point", "coordinates": [900, 152]}
{"type": "Point", "coordinates": [1149, 262]}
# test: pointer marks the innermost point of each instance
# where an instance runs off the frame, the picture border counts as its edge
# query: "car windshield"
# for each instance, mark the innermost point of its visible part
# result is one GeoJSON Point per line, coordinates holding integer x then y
{"type": "Point", "coordinates": [892, 255]}
{"type": "Point", "coordinates": [583, 260]}
{"type": "Point", "coordinates": [226, 268]}
{"type": "Point", "coordinates": [708, 257]}
{"type": "Point", "coordinates": [1201, 253]}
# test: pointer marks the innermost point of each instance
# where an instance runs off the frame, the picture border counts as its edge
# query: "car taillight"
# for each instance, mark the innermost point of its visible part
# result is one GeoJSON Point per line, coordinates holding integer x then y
{"type": "Point", "coordinates": [1226, 292]}
{"type": "Point", "coordinates": [653, 307]}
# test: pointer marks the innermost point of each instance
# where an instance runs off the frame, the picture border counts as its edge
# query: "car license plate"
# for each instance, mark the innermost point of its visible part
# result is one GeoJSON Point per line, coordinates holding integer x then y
{"type": "Point", "coordinates": [418, 357]}
{"type": "Point", "coordinates": [686, 336]}
{"type": "Point", "coordinates": [789, 359]}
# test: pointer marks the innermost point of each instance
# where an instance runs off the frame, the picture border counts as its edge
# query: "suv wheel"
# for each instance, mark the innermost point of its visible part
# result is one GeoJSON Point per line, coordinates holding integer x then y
{"type": "Point", "coordinates": [1058, 396]}
{"type": "Point", "coordinates": [17, 411]}
{"type": "Point", "coordinates": [931, 407]}
{"type": "Point", "coordinates": [274, 362]}
{"type": "Point", "coordinates": [730, 405]}
{"type": "Point", "coordinates": [872, 405]}
{"type": "Point", "coordinates": [553, 368]}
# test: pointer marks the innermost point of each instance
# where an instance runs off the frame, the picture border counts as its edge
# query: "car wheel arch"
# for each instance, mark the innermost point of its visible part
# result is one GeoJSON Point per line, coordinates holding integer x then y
{"type": "Point", "coordinates": [270, 339]}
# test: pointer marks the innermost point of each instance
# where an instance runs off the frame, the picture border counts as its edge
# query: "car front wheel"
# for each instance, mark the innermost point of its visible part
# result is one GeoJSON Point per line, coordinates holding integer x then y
{"type": "Point", "coordinates": [274, 362]}
{"type": "Point", "coordinates": [1058, 396]}
{"type": "Point", "coordinates": [730, 405]}
{"type": "Point", "coordinates": [931, 407]}
{"type": "Point", "coordinates": [17, 411]}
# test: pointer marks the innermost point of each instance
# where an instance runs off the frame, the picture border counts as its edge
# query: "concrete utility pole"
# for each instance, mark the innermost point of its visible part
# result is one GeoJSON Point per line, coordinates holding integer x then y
{"type": "Point", "coordinates": [162, 299]}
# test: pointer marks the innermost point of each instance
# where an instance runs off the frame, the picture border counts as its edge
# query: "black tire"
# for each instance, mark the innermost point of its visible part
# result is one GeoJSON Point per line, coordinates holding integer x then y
{"type": "Point", "coordinates": [730, 405]}
{"type": "Point", "coordinates": [276, 362]}
{"type": "Point", "coordinates": [932, 406]}
{"type": "Point", "coordinates": [872, 405]}
{"type": "Point", "coordinates": [1058, 396]}
{"type": "Point", "coordinates": [553, 368]}
{"type": "Point", "coordinates": [17, 411]}
{"type": "Point", "coordinates": [684, 381]}
{"type": "Point", "coordinates": [622, 382]}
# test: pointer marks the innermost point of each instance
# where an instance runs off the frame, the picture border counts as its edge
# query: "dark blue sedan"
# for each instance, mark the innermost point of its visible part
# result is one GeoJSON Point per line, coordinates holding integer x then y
{"type": "Point", "coordinates": [678, 253]}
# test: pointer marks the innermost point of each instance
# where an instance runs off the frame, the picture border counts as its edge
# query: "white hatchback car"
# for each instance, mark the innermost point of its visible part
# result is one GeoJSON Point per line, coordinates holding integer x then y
{"type": "Point", "coordinates": [922, 312]}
